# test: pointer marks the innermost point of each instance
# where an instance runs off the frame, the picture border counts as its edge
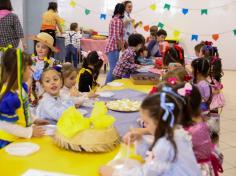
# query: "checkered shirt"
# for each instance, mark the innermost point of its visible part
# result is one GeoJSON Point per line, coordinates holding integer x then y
{"type": "Point", "coordinates": [126, 64]}
{"type": "Point", "coordinates": [10, 31]}
{"type": "Point", "coordinates": [116, 32]}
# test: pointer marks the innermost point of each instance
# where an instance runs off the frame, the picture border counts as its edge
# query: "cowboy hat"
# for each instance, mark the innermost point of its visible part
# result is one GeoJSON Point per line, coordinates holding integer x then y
{"type": "Point", "coordinates": [46, 39]}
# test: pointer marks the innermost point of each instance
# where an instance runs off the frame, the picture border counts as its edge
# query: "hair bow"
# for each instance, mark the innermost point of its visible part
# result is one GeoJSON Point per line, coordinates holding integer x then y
{"type": "Point", "coordinates": [168, 108]}
{"type": "Point", "coordinates": [186, 90]}
{"type": "Point", "coordinates": [170, 91]}
{"type": "Point", "coordinates": [172, 81]}
{"type": "Point", "coordinates": [208, 43]}
{"type": "Point", "coordinates": [37, 75]}
{"type": "Point", "coordinates": [180, 51]}
{"type": "Point", "coordinates": [100, 54]}
{"type": "Point", "coordinates": [187, 77]}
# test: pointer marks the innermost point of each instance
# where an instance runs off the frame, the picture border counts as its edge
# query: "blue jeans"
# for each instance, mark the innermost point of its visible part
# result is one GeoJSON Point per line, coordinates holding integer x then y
{"type": "Point", "coordinates": [72, 53]}
{"type": "Point", "coordinates": [113, 57]}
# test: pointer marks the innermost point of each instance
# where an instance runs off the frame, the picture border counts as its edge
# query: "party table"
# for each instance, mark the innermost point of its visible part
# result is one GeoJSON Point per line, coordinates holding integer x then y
{"type": "Point", "coordinates": [53, 159]}
{"type": "Point", "coordinates": [94, 45]}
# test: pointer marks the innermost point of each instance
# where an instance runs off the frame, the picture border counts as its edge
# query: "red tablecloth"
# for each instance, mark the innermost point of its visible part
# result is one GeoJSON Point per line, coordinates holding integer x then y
{"type": "Point", "coordinates": [95, 45]}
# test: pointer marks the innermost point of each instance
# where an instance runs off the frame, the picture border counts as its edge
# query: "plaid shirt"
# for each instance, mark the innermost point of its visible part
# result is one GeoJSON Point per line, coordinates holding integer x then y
{"type": "Point", "coordinates": [10, 31]}
{"type": "Point", "coordinates": [126, 64]}
{"type": "Point", "coordinates": [116, 32]}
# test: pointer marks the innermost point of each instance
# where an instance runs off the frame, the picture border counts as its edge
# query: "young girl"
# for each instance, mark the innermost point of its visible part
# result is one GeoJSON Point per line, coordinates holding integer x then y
{"type": "Point", "coordinates": [195, 125]}
{"type": "Point", "coordinates": [14, 109]}
{"type": "Point", "coordinates": [144, 57]}
{"type": "Point", "coordinates": [89, 72]}
{"type": "Point", "coordinates": [171, 152]}
{"type": "Point", "coordinates": [174, 55]}
{"type": "Point", "coordinates": [51, 106]}
{"type": "Point", "coordinates": [201, 69]}
{"type": "Point", "coordinates": [42, 60]}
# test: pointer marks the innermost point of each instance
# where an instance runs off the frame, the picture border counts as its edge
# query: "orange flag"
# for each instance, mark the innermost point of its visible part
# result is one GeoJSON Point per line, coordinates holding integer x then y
{"type": "Point", "coordinates": [215, 36]}
{"type": "Point", "coordinates": [146, 28]}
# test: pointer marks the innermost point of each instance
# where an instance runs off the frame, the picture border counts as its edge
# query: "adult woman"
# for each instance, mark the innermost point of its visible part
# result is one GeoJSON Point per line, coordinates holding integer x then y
{"type": "Point", "coordinates": [11, 31]}
{"type": "Point", "coordinates": [115, 40]}
{"type": "Point", "coordinates": [129, 26]}
{"type": "Point", "coordinates": [51, 21]}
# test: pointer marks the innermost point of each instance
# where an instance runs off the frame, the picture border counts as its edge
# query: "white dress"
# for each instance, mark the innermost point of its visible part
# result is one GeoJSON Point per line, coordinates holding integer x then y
{"type": "Point", "coordinates": [160, 163]}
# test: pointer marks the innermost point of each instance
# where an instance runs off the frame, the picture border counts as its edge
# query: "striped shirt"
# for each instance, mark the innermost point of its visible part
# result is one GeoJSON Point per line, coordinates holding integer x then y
{"type": "Point", "coordinates": [72, 37]}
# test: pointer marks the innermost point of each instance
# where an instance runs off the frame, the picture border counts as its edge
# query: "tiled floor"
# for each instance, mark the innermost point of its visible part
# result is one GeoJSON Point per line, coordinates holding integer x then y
{"type": "Point", "coordinates": [228, 123]}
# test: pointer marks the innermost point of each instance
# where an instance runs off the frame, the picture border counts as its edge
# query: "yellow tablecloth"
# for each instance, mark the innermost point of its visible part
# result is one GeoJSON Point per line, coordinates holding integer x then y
{"type": "Point", "coordinates": [51, 158]}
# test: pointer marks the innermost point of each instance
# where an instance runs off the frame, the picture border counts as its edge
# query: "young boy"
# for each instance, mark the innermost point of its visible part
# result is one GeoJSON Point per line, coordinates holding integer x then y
{"type": "Point", "coordinates": [153, 34]}
{"type": "Point", "coordinates": [126, 64]}
{"type": "Point", "coordinates": [72, 43]}
{"type": "Point", "coordinates": [153, 46]}
{"type": "Point", "coordinates": [198, 49]}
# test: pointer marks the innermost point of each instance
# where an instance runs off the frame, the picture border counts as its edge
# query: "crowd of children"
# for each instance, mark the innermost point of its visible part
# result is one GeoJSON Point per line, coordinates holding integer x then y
{"type": "Point", "coordinates": [181, 114]}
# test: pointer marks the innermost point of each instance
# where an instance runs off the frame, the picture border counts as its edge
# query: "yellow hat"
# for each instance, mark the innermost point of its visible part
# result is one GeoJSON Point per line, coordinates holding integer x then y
{"type": "Point", "coordinates": [46, 39]}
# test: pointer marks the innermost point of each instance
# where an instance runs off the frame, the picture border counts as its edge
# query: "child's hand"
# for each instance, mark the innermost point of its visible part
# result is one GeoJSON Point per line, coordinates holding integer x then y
{"type": "Point", "coordinates": [39, 122]}
{"type": "Point", "coordinates": [132, 136]}
{"type": "Point", "coordinates": [106, 171]}
{"type": "Point", "coordinates": [92, 94]}
{"type": "Point", "coordinates": [38, 131]}
{"type": "Point", "coordinates": [74, 92]}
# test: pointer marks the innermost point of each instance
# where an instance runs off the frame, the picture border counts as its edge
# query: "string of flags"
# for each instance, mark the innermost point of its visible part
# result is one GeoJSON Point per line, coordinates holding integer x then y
{"type": "Point", "coordinates": [160, 25]}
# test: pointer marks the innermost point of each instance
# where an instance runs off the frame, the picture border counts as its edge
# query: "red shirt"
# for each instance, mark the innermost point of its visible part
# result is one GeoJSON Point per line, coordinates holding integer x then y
{"type": "Point", "coordinates": [116, 32]}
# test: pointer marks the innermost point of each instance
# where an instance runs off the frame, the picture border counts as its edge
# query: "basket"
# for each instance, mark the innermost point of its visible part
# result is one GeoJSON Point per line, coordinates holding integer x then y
{"type": "Point", "coordinates": [145, 79]}
{"type": "Point", "coordinates": [90, 140]}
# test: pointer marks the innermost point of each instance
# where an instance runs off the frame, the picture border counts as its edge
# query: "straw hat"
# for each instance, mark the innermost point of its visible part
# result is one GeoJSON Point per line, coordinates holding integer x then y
{"type": "Point", "coordinates": [46, 39]}
{"type": "Point", "coordinates": [90, 140]}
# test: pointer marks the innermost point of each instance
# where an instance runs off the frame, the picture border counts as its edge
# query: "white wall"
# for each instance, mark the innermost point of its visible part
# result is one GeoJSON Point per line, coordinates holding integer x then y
{"type": "Point", "coordinates": [18, 8]}
{"type": "Point", "coordinates": [217, 21]}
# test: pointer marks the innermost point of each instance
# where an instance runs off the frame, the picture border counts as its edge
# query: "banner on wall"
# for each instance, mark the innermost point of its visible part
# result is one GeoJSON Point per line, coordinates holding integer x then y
{"type": "Point", "coordinates": [167, 7]}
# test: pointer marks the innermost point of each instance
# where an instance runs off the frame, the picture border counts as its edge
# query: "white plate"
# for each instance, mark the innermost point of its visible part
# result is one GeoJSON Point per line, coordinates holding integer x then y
{"type": "Point", "coordinates": [22, 148]}
{"type": "Point", "coordinates": [50, 129]}
{"type": "Point", "coordinates": [83, 112]}
{"type": "Point", "coordinates": [105, 94]}
{"type": "Point", "coordinates": [115, 84]}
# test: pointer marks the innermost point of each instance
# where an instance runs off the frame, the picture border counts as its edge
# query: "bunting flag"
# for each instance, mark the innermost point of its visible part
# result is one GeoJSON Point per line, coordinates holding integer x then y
{"type": "Point", "coordinates": [146, 28]}
{"type": "Point", "coordinates": [184, 11]}
{"type": "Point", "coordinates": [153, 7]}
{"type": "Point", "coordinates": [215, 37]}
{"type": "Point", "coordinates": [103, 16]}
{"type": "Point", "coordinates": [87, 11]}
{"type": "Point", "coordinates": [160, 25]}
{"type": "Point", "coordinates": [194, 37]}
{"type": "Point", "coordinates": [73, 3]}
{"type": "Point", "coordinates": [176, 33]}
{"type": "Point", "coordinates": [167, 6]}
{"type": "Point", "coordinates": [204, 11]}
{"type": "Point", "coordinates": [234, 31]}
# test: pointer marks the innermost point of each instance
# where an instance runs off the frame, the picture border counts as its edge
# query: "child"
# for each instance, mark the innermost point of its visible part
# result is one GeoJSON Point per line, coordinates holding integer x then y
{"type": "Point", "coordinates": [174, 55]}
{"type": "Point", "coordinates": [72, 43]}
{"type": "Point", "coordinates": [89, 72]}
{"type": "Point", "coordinates": [43, 50]}
{"type": "Point", "coordinates": [126, 64]}
{"type": "Point", "coordinates": [153, 34]}
{"type": "Point", "coordinates": [51, 106]}
{"type": "Point", "coordinates": [171, 152]}
{"type": "Point", "coordinates": [14, 109]}
{"type": "Point", "coordinates": [154, 47]}
{"type": "Point", "coordinates": [198, 50]}
{"type": "Point", "coordinates": [201, 69]}
{"type": "Point", "coordinates": [144, 57]}
{"type": "Point", "coordinates": [195, 125]}
{"type": "Point", "coordinates": [70, 90]}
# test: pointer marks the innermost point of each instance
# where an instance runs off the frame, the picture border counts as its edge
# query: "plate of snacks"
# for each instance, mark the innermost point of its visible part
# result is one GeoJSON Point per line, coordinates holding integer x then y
{"type": "Point", "coordinates": [124, 105]}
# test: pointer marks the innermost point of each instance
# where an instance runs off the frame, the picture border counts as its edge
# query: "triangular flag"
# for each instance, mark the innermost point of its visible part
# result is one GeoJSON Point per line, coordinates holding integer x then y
{"type": "Point", "coordinates": [103, 16]}
{"type": "Point", "coordinates": [204, 11]}
{"type": "Point", "coordinates": [184, 11]}
{"type": "Point", "coordinates": [146, 28]}
{"type": "Point", "coordinates": [141, 24]}
{"type": "Point", "coordinates": [72, 3]}
{"type": "Point", "coordinates": [215, 36]}
{"type": "Point", "coordinates": [87, 11]}
{"type": "Point", "coordinates": [234, 32]}
{"type": "Point", "coordinates": [176, 33]}
{"type": "Point", "coordinates": [194, 37]}
{"type": "Point", "coordinates": [160, 25]}
{"type": "Point", "coordinates": [167, 6]}
{"type": "Point", "coordinates": [153, 7]}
